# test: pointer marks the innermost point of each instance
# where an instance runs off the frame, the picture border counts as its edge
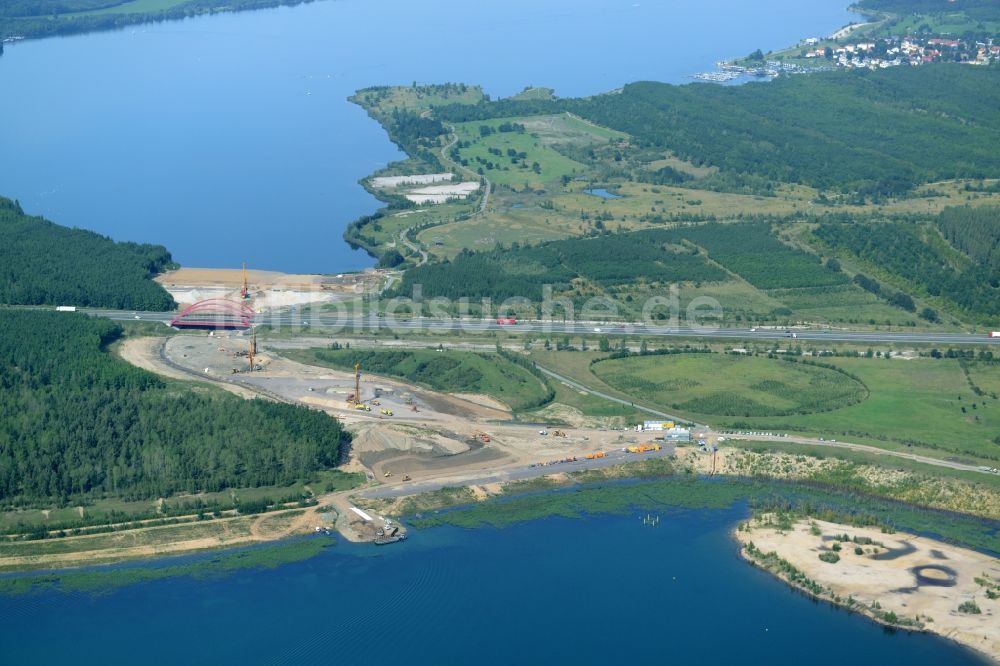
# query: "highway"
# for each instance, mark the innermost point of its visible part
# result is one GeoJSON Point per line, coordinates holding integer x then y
{"type": "Point", "coordinates": [429, 325]}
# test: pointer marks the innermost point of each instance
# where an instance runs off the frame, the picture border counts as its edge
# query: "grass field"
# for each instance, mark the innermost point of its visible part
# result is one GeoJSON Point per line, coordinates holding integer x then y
{"type": "Point", "coordinates": [731, 385]}
{"type": "Point", "coordinates": [514, 155]}
{"type": "Point", "coordinates": [913, 404]}
{"type": "Point", "coordinates": [451, 371]}
{"type": "Point", "coordinates": [418, 98]}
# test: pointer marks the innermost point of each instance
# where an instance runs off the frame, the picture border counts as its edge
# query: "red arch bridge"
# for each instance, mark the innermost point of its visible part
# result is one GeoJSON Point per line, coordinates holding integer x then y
{"type": "Point", "coordinates": [215, 313]}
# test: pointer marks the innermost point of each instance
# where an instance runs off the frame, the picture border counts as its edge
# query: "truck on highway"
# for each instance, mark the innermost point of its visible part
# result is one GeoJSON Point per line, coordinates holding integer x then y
{"type": "Point", "coordinates": [995, 334]}
{"type": "Point", "coordinates": [72, 308]}
{"type": "Point", "coordinates": [507, 321]}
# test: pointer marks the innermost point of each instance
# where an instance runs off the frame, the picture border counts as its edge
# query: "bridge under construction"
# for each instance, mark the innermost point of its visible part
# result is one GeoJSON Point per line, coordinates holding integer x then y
{"type": "Point", "coordinates": [215, 313]}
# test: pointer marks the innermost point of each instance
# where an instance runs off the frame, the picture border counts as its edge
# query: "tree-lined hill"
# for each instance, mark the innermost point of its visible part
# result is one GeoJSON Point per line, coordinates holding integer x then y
{"type": "Point", "coordinates": [44, 263]}
{"type": "Point", "coordinates": [859, 131]}
{"type": "Point", "coordinates": [49, 18]}
{"type": "Point", "coordinates": [75, 419]}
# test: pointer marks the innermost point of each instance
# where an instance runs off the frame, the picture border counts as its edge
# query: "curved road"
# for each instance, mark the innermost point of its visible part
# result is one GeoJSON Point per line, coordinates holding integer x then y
{"type": "Point", "coordinates": [586, 389]}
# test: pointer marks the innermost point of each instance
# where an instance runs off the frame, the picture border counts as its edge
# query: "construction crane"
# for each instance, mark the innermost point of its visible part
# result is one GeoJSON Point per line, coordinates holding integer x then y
{"type": "Point", "coordinates": [252, 351]}
{"type": "Point", "coordinates": [245, 289]}
{"type": "Point", "coordinates": [357, 383]}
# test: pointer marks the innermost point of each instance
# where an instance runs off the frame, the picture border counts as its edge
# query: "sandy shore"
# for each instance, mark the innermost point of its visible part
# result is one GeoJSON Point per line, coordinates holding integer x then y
{"type": "Point", "coordinates": [919, 580]}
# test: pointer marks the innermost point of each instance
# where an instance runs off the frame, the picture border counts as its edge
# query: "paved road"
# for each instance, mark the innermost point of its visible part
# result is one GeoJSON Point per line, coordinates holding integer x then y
{"type": "Point", "coordinates": [447, 158]}
{"type": "Point", "coordinates": [441, 326]}
{"type": "Point", "coordinates": [614, 457]}
{"type": "Point", "coordinates": [938, 462]}
{"type": "Point", "coordinates": [415, 248]}
{"type": "Point", "coordinates": [580, 387]}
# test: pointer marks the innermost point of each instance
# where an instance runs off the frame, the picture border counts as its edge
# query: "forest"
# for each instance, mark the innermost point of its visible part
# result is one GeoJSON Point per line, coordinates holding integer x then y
{"type": "Point", "coordinates": [44, 263]}
{"type": "Point", "coordinates": [974, 231]}
{"type": "Point", "coordinates": [753, 252]}
{"type": "Point", "coordinates": [852, 131]}
{"type": "Point", "coordinates": [520, 272]}
{"type": "Point", "coordinates": [47, 18]}
{"type": "Point", "coordinates": [980, 10]}
{"type": "Point", "coordinates": [652, 256]}
{"type": "Point", "coordinates": [75, 420]}
{"type": "Point", "coordinates": [909, 250]}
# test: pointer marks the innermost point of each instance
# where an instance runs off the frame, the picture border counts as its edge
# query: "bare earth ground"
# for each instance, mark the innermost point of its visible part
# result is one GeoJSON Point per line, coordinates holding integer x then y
{"type": "Point", "coordinates": [440, 444]}
{"type": "Point", "coordinates": [145, 353]}
{"type": "Point", "coordinates": [911, 576]}
{"type": "Point", "coordinates": [268, 289]}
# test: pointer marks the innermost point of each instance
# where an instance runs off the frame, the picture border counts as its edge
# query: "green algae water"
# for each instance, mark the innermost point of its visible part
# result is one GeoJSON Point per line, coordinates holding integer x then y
{"type": "Point", "coordinates": [596, 589]}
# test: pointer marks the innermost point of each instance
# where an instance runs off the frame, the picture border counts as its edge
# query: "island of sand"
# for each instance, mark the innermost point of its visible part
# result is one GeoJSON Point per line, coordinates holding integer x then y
{"type": "Point", "coordinates": [897, 579]}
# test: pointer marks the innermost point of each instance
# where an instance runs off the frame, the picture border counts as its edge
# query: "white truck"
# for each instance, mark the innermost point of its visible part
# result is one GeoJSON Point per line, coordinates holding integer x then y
{"type": "Point", "coordinates": [995, 334]}
{"type": "Point", "coordinates": [65, 308]}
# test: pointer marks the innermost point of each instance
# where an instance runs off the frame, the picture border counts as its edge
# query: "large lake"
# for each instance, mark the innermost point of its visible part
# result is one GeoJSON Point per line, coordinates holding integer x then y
{"type": "Point", "coordinates": [598, 590]}
{"type": "Point", "coordinates": [229, 138]}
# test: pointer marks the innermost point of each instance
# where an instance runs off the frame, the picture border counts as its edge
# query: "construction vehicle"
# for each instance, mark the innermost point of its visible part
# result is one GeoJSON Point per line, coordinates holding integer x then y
{"type": "Point", "coordinates": [406, 477]}
{"type": "Point", "coordinates": [644, 448]}
{"type": "Point", "coordinates": [595, 455]}
{"type": "Point", "coordinates": [558, 433]}
{"type": "Point", "coordinates": [387, 474]}
{"type": "Point", "coordinates": [386, 412]}
{"type": "Point", "coordinates": [482, 436]}
{"type": "Point", "coordinates": [252, 351]}
{"type": "Point", "coordinates": [360, 406]}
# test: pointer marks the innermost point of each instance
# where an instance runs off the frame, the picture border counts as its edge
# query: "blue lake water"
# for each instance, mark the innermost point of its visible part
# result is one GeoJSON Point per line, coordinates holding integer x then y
{"type": "Point", "coordinates": [602, 193]}
{"type": "Point", "coordinates": [603, 589]}
{"type": "Point", "coordinates": [229, 138]}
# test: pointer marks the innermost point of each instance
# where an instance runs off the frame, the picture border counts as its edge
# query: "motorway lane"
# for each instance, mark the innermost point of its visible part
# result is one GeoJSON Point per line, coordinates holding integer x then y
{"type": "Point", "coordinates": [444, 326]}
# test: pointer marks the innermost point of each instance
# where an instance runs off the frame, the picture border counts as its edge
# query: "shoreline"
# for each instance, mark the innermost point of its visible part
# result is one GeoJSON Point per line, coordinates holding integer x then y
{"type": "Point", "coordinates": [866, 594]}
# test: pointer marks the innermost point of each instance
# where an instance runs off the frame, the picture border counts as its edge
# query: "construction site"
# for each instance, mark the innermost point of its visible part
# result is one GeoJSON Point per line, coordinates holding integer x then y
{"type": "Point", "coordinates": [406, 439]}
{"type": "Point", "coordinates": [230, 298]}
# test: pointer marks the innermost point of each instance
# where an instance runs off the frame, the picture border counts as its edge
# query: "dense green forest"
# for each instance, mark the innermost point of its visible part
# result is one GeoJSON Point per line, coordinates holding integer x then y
{"type": "Point", "coordinates": [44, 263]}
{"type": "Point", "coordinates": [47, 18]}
{"type": "Point", "coordinates": [653, 256]}
{"type": "Point", "coordinates": [916, 253]}
{"type": "Point", "coordinates": [867, 133]}
{"type": "Point", "coordinates": [752, 252]}
{"type": "Point", "coordinates": [974, 231]}
{"type": "Point", "coordinates": [980, 10]}
{"type": "Point", "coordinates": [520, 272]}
{"type": "Point", "coordinates": [74, 419]}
